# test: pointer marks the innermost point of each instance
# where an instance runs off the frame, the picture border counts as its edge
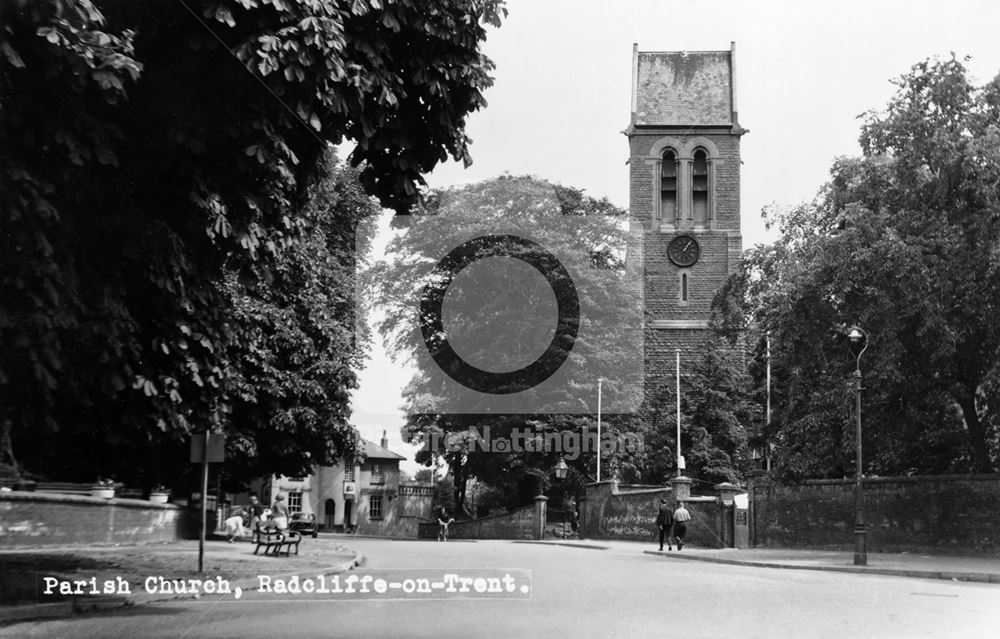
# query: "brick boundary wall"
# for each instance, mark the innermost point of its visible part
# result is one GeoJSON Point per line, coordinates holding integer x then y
{"type": "Point", "coordinates": [611, 513]}
{"type": "Point", "coordinates": [518, 524]}
{"type": "Point", "coordinates": [38, 519]}
{"type": "Point", "coordinates": [950, 514]}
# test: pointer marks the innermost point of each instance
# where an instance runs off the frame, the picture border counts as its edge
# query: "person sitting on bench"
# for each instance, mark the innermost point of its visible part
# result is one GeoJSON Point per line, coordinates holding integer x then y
{"type": "Point", "coordinates": [280, 510]}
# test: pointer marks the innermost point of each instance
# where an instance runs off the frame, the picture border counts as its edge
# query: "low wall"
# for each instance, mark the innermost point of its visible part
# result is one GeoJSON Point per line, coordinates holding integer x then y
{"type": "Point", "coordinates": [942, 514]}
{"type": "Point", "coordinates": [39, 519]}
{"type": "Point", "coordinates": [611, 512]}
{"type": "Point", "coordinates": [393, 526]}
{"type": "Point", "coordinates": [519, 524]}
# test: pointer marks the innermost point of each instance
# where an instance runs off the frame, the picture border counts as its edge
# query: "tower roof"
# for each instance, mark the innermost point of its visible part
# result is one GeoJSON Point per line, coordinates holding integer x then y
{"type": "Point", "coordinates": [684, 88]}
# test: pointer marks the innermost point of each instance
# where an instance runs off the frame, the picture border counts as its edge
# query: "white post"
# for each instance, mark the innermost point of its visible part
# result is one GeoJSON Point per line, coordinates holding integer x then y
{"type": "Point", "coordinates": [600, 383]}
{"type": "Point", "coordinates": [678, 412]}
{"type": "Point", "coordinates": [767, 423]}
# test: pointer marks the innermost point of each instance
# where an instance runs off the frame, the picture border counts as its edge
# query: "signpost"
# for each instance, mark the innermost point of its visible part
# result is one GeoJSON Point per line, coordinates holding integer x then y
{"type": "Point", "coordinates": [206, 448]}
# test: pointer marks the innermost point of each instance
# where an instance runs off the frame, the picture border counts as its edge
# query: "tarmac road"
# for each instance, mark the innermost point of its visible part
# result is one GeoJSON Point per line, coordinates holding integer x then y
{"type": "Point", "coordinates": [574, 592]}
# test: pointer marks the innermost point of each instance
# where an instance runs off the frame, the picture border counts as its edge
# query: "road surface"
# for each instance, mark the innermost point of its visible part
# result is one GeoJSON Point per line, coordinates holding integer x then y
{"type": "Point", "coordinates": [573, 592]}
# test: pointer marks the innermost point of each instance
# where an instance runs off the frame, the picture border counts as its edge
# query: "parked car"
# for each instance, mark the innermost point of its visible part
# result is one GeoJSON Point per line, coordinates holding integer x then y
{"type": "Point", "coordinates": [304, 523]}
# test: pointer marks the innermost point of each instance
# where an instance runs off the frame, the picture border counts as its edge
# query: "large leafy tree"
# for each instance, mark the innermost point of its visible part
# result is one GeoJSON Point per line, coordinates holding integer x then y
{"type": "Point", "coordinates": [717, 411]}
{"type": "Point", "coordinates": [149, 148]}
{"type": "Point", "coordinates": [529, 206]}
{"type": "Point", "coordinates": [903, 242]}
{"type": "Point", "coordinates": [297, 353]}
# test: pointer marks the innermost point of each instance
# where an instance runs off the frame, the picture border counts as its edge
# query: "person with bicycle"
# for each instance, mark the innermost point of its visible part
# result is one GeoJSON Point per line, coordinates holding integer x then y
{"type": "Point", "coordinates": [443, 520]}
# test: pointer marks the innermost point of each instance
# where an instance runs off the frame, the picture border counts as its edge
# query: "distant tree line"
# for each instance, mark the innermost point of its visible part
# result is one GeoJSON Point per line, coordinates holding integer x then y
{"type": "Point", "coordinates": [902, 241]}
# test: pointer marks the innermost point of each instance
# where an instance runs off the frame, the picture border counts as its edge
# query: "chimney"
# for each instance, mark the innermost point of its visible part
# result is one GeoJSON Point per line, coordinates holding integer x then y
{"type": "Point", "coordinates": [385, 441]}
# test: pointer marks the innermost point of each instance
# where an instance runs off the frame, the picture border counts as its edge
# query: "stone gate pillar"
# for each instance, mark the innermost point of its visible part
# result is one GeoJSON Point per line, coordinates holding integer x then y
{"type": "Point", "coordinates": [725, 513]}
{"type": "Point", "coordinates": [727, 492]}
{"type": "Point", "coordinates": [681, 487]}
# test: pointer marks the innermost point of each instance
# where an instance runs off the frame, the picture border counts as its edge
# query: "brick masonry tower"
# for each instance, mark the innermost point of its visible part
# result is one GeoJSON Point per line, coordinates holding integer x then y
{"type": "Point", "coordinates": [684, 150]}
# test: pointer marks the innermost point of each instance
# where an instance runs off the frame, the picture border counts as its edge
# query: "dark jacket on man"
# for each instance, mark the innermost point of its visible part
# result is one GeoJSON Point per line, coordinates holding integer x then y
{"type": "Point", "coordinates": [664, 520]}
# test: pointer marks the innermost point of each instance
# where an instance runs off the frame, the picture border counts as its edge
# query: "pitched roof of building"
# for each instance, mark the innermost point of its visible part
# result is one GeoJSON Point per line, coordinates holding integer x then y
{"type": "Point", "coordinates": [374, 451]}
{"type": "Point", "coordinates": [683, 88]}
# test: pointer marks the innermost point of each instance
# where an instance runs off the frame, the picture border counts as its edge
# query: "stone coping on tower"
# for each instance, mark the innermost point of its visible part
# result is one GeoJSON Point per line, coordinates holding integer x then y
{"type": "Point", "coordinates": [689, 324]}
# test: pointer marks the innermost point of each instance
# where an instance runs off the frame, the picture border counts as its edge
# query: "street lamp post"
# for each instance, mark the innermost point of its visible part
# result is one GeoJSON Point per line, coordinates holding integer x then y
{"type": "Point", "coordinates": [559, 470]}
{"type": "Point", "coordinates": [857, 339]}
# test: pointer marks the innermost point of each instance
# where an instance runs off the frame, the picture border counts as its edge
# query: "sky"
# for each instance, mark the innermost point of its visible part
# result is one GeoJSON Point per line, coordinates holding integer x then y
{"type": "Point", "coordinates": [805, 71]}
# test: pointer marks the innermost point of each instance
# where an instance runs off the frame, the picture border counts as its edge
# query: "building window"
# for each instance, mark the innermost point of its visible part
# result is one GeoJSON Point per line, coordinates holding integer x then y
{"type": "Point", "coordinates": [294, 502]}
{"type": "Point", "coordinates": [668, 185]}
{"type": "Point", "coordinates": [374, 506]}
{"type": "Point", "coordinates": [378, 476]}
{"type": "Point", "coordinates": [684, 285]}
{"type": "Point", "coordinates": [349, 472]}
{"type": "Point", "coordinates": [699, 188]}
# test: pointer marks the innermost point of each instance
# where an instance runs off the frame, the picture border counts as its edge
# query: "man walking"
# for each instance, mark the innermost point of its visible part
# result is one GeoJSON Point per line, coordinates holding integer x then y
{"type": "Point", "coordinates": [681, 517]}
{"type": "Point", "coordinates": [664, 520]}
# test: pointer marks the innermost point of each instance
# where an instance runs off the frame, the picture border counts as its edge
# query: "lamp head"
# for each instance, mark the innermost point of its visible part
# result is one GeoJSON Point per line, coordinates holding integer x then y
{"type": "Point", "coordinates": [561, 468]}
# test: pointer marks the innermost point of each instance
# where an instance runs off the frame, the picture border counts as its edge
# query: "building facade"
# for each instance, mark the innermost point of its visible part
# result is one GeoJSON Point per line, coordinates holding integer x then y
{"type": "Point", "coordinates": [366, 496]}
{"type": "Point", "coordinates": [684, 189]}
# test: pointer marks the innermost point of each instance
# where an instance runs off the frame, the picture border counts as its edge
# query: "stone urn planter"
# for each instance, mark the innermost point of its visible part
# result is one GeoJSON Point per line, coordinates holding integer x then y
{"type": "Point", "coordinates": [158, 497]}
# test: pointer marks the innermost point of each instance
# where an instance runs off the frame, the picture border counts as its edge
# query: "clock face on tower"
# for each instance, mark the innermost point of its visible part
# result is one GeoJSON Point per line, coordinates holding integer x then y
{"type": "Point", "coordinates": [683, 250]}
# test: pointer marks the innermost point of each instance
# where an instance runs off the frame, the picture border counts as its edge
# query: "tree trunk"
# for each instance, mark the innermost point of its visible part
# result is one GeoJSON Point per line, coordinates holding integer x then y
{"type": "Point", "coordinates": [981, 462]}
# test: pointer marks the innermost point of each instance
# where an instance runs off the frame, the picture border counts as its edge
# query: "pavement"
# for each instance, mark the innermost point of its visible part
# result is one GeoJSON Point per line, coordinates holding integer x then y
{"type": "Point", "coordinates": [325, 556]}
{"type": "Point", "coordinates": [950, 567]}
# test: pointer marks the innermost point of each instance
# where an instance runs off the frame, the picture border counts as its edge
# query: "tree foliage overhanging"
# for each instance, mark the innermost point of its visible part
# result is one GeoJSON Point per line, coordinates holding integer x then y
{"type": "Point", "coordinates": [903, 242]}
{"type": "Point", "coordinates": [157, 156]}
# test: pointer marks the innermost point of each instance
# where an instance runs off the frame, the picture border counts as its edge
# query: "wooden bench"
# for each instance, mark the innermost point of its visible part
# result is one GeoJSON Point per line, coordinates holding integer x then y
{"type": "Point", "coordinates": [273, 540]}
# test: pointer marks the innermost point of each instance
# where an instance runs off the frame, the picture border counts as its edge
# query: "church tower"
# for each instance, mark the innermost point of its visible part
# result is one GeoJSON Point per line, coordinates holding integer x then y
{"type": "Point", "coordinates": [684, 159]}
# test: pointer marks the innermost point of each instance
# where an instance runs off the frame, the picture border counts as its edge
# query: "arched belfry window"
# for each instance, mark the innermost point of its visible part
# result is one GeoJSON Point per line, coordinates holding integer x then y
{"type": "Point", "coordinates": [668, 185]}
{"type": "Point", "coordinates": [700, 188]}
